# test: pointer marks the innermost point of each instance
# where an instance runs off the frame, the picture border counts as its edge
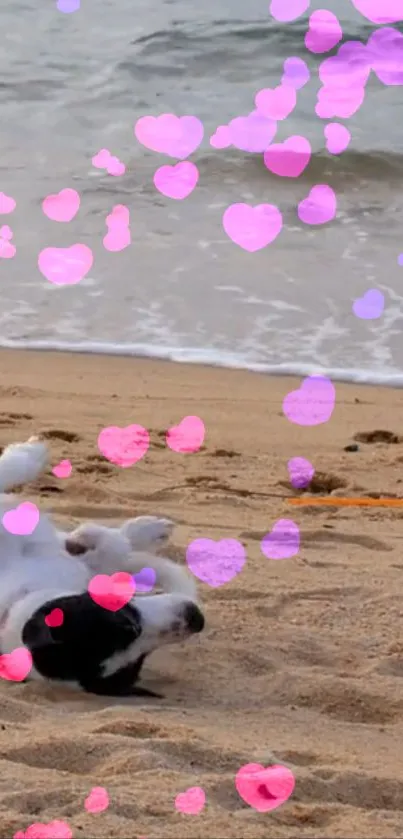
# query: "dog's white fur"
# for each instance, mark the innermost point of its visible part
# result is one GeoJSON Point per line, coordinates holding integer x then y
{"type": "Point", "coordinates": [36, 568]}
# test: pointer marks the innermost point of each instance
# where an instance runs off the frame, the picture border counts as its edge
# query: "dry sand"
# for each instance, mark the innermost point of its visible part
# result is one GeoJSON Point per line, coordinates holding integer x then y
{"type": "Point", "coordinates": [302, 659]}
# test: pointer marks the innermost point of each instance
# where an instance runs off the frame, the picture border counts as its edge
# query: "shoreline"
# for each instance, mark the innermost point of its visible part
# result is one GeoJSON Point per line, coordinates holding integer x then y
{"type": "Point", "coordinates": [337, 375]}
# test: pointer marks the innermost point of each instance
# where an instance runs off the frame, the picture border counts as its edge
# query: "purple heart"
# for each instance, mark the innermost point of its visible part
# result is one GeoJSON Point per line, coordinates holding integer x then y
{"type": "Point", "coordinates": [215, 563]}
{"type": "Point", "coordinates": [283, 541]}
{"type": "Point", "coordinates": [370, 306]}
{"type": "Point", "coordinates": [400, 259]}
{"type": "Point", "coordinates": [145, 579]}
{"type": "Point", "coordinates": [312, 403]}
{"type": "Point", "coordinates": [68, 6]}
{"type": "Point", "coordinates": [296, 73]}
{"type": "Point", "coordinates": [300, 471]}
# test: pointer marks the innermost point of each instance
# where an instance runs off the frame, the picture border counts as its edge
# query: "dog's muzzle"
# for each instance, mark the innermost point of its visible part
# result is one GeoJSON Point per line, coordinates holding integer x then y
{"type": "Point", "coordinates": [194, 619]}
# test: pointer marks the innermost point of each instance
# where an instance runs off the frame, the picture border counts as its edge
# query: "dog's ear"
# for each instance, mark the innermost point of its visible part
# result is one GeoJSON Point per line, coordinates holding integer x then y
{"type": "Point", "coordinates": [74, 547]}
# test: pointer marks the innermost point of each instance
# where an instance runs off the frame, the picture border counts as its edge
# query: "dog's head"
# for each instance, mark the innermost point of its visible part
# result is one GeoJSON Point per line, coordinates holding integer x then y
{"type": "Point", "coordinates": [103, 651]}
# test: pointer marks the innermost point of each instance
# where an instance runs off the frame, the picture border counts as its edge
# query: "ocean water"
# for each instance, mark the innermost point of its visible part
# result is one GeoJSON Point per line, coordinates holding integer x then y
{"type": "Point", "coordinates": [72, 84]}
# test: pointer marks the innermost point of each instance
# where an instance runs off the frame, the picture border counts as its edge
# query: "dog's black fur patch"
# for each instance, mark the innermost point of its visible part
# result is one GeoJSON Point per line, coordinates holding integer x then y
{"type": "Point", "coordinates": [76, 650]}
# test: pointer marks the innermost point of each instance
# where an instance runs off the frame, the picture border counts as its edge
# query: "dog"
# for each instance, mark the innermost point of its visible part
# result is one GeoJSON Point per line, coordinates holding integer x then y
{"type": "Point", "coordinates": [94, 649]}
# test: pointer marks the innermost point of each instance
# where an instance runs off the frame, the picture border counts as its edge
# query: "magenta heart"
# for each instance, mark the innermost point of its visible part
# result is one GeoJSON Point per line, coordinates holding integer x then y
{"type": "Point", "coordinates": [252, 228]}
{"type": "Point", "coordinates": [385, 52]}
{"type": "Point", "coordinates": [288, 159]}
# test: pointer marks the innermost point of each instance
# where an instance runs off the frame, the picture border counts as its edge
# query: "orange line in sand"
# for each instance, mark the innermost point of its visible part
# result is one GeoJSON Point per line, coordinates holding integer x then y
{"type": "Point", "coordinates": [347, 502]}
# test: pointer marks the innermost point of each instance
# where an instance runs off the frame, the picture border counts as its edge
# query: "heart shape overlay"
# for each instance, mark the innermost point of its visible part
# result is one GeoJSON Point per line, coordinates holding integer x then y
{"type": "Point", "coordinates": [300, 471]}
{"type": "Point", "coordinates": [187, 436]}
{"type": "Point", "coordinates": [112, 592]}
{"type": "Point", "coordinates": [145, 580]}
{"type": "Point", "coordinates": [252, 228]}
{"type": "Point", "coordinates": [63, 206]}
{"type": "Point", "coordinates": [7, 203]}
{"type": "Point", "coordinates": [169, 134]}
{"type": "Point", "coordinates": [55, 617]}
{"type": "Point", "coordinates": [97, 801]}
{"type": "Point", "coordinates": [262, 788]}
{"type": "Point", "coordinates": [23, 520]}
{"type": "Point", "coordinates": [370, 306]}
{"type": "Point", "coordinates": [52, 830]}
{"type": "Point", "coordinates": [215, 563]}
{"type": "Point", "coordinates": [124, 446]}
{"type": "Point", "coordinates": [283, 540]}
{"type": "Point", "coordinates": [15, 666]}
{"type": "Point", "coordinates": [191, 801]}
{"type": "Point", "coordinates": [62, 469]}
{"type": "Point", "coordinates": [176, 181]}
{"type": "Point", "coordinates": [65, 266]}
{"type": "Point", "coordinates": [312, 403]}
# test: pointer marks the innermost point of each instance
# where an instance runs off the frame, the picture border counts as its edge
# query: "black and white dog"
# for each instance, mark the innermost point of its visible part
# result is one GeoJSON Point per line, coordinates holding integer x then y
{"type": "Point", "coordinates": [97, 650]}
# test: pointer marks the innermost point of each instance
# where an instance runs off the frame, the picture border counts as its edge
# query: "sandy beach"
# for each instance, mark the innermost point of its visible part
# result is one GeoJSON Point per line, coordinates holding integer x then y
{"type": "Point", "coordinates": [301, 662]}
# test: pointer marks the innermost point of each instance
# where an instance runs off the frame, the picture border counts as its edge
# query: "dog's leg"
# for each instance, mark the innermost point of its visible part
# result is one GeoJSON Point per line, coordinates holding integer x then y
{"type": "Point", "coordinates": [147, 533]}
{"type": "Point", "coordinates": [22, 462]}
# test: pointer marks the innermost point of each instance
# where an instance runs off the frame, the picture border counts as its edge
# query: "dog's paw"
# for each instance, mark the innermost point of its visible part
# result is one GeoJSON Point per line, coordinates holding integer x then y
{"type": "Point", "coordinates": [147, 532]}
{"type": "Point", "coordinates": [34, 450]}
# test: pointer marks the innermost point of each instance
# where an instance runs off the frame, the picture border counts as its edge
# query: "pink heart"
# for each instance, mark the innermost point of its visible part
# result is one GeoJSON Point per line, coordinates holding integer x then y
{"type": "Point", "coordinates": [176, 181]}
{"type": "Point", "coordinates": [124, 446]}
{"type": "Point", "coordinates": [169, 134]}
{"type": "Point", "coordinates": [6, 232]}
{"type": "Point", "coordinates": [15, 666]}
{"type": "Point", "coordinates": [276, 103]}
{"type": "Point", "coordinates": [188, 436]}
{"type": "Point", "coordinates": [97, 800]}
{"type": "Point", "coordinates": [23, 520]}
{"type": "Point", "coordinates": [287, 10]}
{"type": "Point", "coordinates": [337, 137]}
{"type": "Point", "coordinates": [65, 266]}
{"type": "Point", "coordinates": [7, 250]}
{"type": "Point", "coordinates": [252, 228]}
{"type": "Point", "coordinates": [288, 159]}
{"type": "Point", "coordinates": [63, 206]}
{"type": "Point", "coordinates": [52, 830]}
{"type": "Point", "coordinates": [101, 160]}
{"type": "Point", "coordinates": [191, 801]}
{"type": "Point", "coordinates": [117, 239]}
{"type": "Point", "coordinates": [262, 788]}
{"type": "Point", "coordinates": [252, 133]}
{"type": "Point", "coordinates": [221, 138]}
{"type": "Point", "coordinates": [63, 469]}
{"type": "Point", "coordinates": [319, 207]}
{"type": "Point", "coordinates": [112, 592]}
{"type": "Point", "coordinates": [118, 218]}
{"type": "Point", "coordinates": [339, 102]}
{"type": "Point", "coordinates": [115, 167]}
{"type": "Point", "coordinates": [7, 204]}
{"type": "Point", "coordinates": [55, 618]}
